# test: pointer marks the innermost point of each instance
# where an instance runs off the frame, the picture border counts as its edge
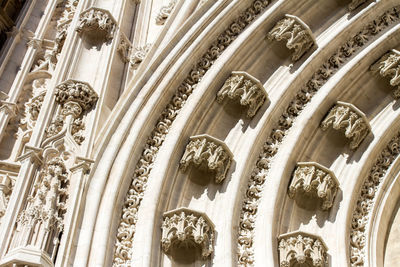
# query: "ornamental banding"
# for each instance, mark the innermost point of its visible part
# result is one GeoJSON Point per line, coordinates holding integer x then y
{"type": "Point", "coordinates": [389, 66]}
{"type": "Point", "coordinates": [247, 89]}
{"type": "Point", "coordinates": [295, 32]}
{"type": "Point", "coordinates": [301, 249]}
{"type": "Point", "coordinates": [347, 117]}
{"type": "Point", "coordinates": [209, 153]}
{"type": "Point", "coordinates": [185, 227]}
{"type": "Point", "coordinates": [95, 20]}
{"type": "Point", "coordinates": [311, 179]}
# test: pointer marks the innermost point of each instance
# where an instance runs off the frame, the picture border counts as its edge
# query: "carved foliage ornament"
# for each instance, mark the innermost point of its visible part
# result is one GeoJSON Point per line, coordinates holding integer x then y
{"type": "Point", "coordinates": [345, 116]}
{"type": "Point", "coordinates": [182, 226]}
{"type": "Point", "coordinates": [246, 88]}
{"type": "Point", "coordinates": [97, 19]}
{"type": "Point", "coordinates": [389, 66]}
{"type": "Point", "coordinates": [164, 12]}
{"type": "Point", "coordinates": [209, 153]}
{"type": "Point", "coordinates": [295, 32]}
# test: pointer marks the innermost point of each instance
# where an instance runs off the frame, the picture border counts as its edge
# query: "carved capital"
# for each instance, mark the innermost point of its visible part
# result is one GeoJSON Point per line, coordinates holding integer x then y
{"type": "Point", "coordinates": [250, 92]}
{"type": "Point", "coordinates": [187, 227]}
{"type": "Point", "coordinates": [97, 20]}
{"type": "Point", "coordinates": [164, 12]}
{"type": "Point", "coordinates": [8, 108]}
{"type": "Point", "coordinates": [314, 180]}
{"type": "Point", "coordinates": [347, 117]}
{"type": "Point", "coordinates": [355, 3]}
{"type": "Point", "coordinates": [301, 248]}
{"type": "Point", "coordinates": [209, 153]}
{"type": "Point", "coordinates": [295, 32]}
{"type": "Point", "coordinates": [389, 66]}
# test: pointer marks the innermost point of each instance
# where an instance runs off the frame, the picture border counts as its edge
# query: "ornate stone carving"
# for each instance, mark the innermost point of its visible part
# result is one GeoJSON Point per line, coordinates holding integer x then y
{"type": "Point", "coordinates": [138, 55]}
{"type": "Point", "coordinates": [246, 88]}
{"type": "Point", "coordinates": [124, 47]}
{"type": "Point", "coordinates": [208, 153]}
{"type": "Point", "coordinates": [97, 19]}
{"type": "Point", "coordinates": [295, 32]}
{"type": "Point", "coordinates": [301, 248]}
{"type": "Point", "coordinates": [5, 189]}
{"type": "Point", "coordinates": [164, 12]}
{"type": "Point", "coordinates": [355, 3]}
{"type": "Point", "coordinates": [258, 176]}
{"type": "Point", "coordinates": [347, 117]}
{"type": "Point", "coordinates": [8, 108]}
{"type": "Point", "coordinates": [184, 226]}
{"type": "Point", "coordinates": [389, 66]}
{"type": "Point", "coordinates": [315, 180]}
{"type": "Point", "coordinates": [126, 228]}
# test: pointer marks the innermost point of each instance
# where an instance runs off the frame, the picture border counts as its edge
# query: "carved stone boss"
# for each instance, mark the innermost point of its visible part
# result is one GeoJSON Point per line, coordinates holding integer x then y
{"type": "Point", "coordinates": [187, 227]}
{"type": "Point", "coordinates": [389, 66]}
{"type": "Point", "coordinates": [347, 117]}
{"type": "Point", "coordinates": [314, 180]}
{"type": "Point", "coordinates": [297, 34]}
{"type": "Point", "coordinates": [250, 92]}
{"type": "Point", "coordinates": [97, 19]}
{"type": "Point", "coordinates": [299, 248]}
{"type": "Point", "coordinates": [208, 152]}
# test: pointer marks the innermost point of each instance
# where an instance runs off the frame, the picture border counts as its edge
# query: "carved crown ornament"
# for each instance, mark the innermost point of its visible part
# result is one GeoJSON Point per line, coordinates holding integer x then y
{"type": "Point", "coordinates": [313, 179]}
{"type": "Point", "coordinates": [347, 117]}
{"type": "Point", "coordinates": [389, 66]}
{"type": "Point", "coordinates": [297, 248]}
{"type": "Point", "coordinates": [185, 227]}
{"type": "Point", "coordinates": [207, 152]}
{"type": "Point", "coordinates": [250, 92]}
{"type": "Point", "coordinates": [295, 32]}
{"type": "Point", "coordinates": [97, 20]}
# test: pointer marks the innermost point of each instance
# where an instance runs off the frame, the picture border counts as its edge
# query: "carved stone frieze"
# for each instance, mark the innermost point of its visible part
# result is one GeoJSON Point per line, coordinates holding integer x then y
{"type": "Point", "coordinates": [138, 55]}
{"type": "Point", "coordinates": [314, 180]}
{"type": "Point", "coordinates": [246, 88]}
{"type": "Point", "coordinates": [355, 3]}
{"type": "Point", "coordinates": [164, 12]}
{"type": "Point", "coordinates": [97, 20]}
{"type": "Point", "coordinates": [185, 226]}
{"type": "Point", "coordinates": [301, 248]}
{"type": "Point", "coordinates": [347, 117]}
{"type": "Point", "coordinates": [208, 153]}
{"type": "Point", "coordinates": [295, 32]}
{"type": "Point", "coordinates": [389, 66]}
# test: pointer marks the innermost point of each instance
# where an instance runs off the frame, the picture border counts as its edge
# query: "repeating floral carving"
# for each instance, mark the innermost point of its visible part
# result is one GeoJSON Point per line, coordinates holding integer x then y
{"type": "Point", "coordinates": [299, 248]}
{"type": "Point", "coordinates": [345, 116]}
{"type": "Point", "coordinates": [164, 12]}
{"type": "Point", "coordinates": [248, 89]}
{"type": "Point", "coordinates": [126, 228]}
{"type": "Point", "coordinates": [295, 32]}
{"type": "Point", "coordinates": [97, 19]}
{"type": "Point", "coordinates": [138, 55]}
{"type": "Point", "coordinates": [315, 179]}
{"type": "Point", "coordinates": [182, 226]}
{"type": "Point", "coordinates": [208, 152]}
{"type": "Point", "coordinates": [356, 3]}
{"type": "Point", "coordinates": [389, 66]}
{"type": "Point", "coordinates": [303, 97]}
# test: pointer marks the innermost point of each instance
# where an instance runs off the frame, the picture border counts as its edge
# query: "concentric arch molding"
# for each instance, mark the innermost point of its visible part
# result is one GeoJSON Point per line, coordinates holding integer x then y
{"type": "Point", "coordinates": [256, 181]}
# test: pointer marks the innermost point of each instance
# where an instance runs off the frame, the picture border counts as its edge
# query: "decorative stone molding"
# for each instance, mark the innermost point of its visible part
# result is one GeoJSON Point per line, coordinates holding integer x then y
{"type": "Point", "coordinates": [295, 32]}
{"type": "Point", "coordinates": [185, 226]}
{"type": "Point", "coordinates": [97, 19]}
{"type": "Point", "coordinates": [246, 88]}
{"type": "Point", "coordinates": [301, 248]}
{"type": "Point", "coordinates": [389, 66]}
{"type": "Point", "coordinates": [314, 180]}
{"type": "Point", "coordinates": [356, 3]}
{"type": "Point", "coordinates": [347, 117]}
{"type": "Point", "coordinates": [164, 12]}
{"type": "Point", "coordinates": [138, 55]}
{"type": "Point", "coordinates": [208, 153]}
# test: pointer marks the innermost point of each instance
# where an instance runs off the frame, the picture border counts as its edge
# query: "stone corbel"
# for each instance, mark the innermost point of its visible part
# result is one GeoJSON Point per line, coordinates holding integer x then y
{"type": "Point", "coordinates": [295, 32]}
{"type": "Point", "coordinates": [184, 226]}
{"type": "Point", "coordinates": [356, 3]}
{"type": "Point", "coordinates": [389, 66]}
{"type": "Point", "coordinates": [96, 20]}
{"type": "Point", "coordinates": [347, 117]}
{"type": "Point", "coordinates": [208, 153]}
{"type": "Point", "coordinates": [250, 92]}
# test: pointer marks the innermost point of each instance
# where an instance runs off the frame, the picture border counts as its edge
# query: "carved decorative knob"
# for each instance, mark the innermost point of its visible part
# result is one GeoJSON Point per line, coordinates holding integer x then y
{"type": "Point", "coordinates": [97, 20]}
{"type": "Point", "coordinates": [389, 66]}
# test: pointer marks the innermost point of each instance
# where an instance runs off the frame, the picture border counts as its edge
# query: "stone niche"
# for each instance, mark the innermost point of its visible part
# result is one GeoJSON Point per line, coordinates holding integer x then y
{"type": "Point", "coordinates": [348, 118]}
{"type": "Point", "coordinates": [313, 184]}
{"type": "Point", "coordinates": [389, 66]}
{"type": "Point", "coordinates": [245, 88]}
{"type": "Point", "coordinates": [300, 249]}
{"type": "Point", "coordinates": [185, 230]}
{"type": "Point", "coordinates": [207, 153]}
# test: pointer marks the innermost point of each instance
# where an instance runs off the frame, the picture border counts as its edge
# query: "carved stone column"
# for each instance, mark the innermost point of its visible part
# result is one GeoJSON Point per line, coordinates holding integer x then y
{"type": "Point", "coordinates": [389, 66]}
{"type": "Point", "coordinates": [311, 179]}
{"type": "Point", "coordinates": [187, 227]}
{"type": "Point", "coordinates": [95, 21]}
{"type": "Point", "coordinates": [250, 92]}
{"type": "Point", "coordinates": [347, 117]}
{"type": "Point", "coordinates": [295, 32]}
{"type": "Point", "coordinates": [208, 153]}
{"type": "Point", "coordinates": [301, 248]}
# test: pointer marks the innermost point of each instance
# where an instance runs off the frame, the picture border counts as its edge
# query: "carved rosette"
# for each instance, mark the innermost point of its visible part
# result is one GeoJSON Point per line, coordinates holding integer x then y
{"type": "Point", "coordinates": [295, 32]}
{"type": "Point", "coordinates": [347, 117]}
{"type": "Point", "coordinates": [97, 19]}
{"type": "Point", "coordinates": [355, 3]}
{"type": "Point", "coordinates": [207, 152]}
{"type": "Point", "coordinates": [389, 66]}
{"type": "Point", "coordinates": [164, 12]}
{"type": "Point", "coordinates": [184, 226]}
{"type": "Point", "coordinates": [314, 179]}
{"type": "Point", "coordinates": [301, 248]}
{"type": "Point", "coordinates": [250, 92]}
